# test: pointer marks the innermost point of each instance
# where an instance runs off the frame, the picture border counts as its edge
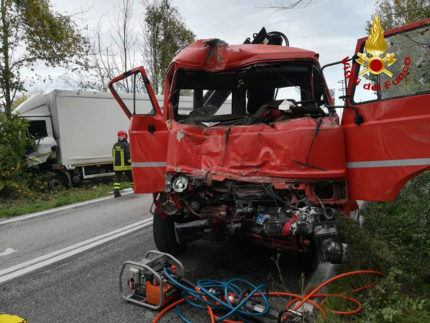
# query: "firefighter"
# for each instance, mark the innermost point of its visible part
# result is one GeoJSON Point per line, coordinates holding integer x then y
{"type": "Point", "coordinates": [121, 161]}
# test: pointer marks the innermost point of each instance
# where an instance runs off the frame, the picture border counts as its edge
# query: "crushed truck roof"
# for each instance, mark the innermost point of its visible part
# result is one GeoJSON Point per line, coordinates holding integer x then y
{"type": "Point", "coordinates": [216, 55]}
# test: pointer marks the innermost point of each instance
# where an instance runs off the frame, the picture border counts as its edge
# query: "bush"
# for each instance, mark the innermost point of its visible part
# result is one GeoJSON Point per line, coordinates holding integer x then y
{"type": "Point", "coordinates": [394, 239]}
{"type": "Point", "coordinates": [15, 178]}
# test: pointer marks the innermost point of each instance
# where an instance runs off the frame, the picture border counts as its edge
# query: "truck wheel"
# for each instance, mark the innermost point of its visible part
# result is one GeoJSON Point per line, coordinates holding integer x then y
{"type": "Point", "coordinates": [164, 235]}
{"type": "Point", "coordinates": [56, 182]}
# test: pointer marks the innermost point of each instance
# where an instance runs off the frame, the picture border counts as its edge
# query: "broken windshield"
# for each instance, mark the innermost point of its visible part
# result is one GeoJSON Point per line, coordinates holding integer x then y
{"type": "Point", "coordinates": [255, 94]}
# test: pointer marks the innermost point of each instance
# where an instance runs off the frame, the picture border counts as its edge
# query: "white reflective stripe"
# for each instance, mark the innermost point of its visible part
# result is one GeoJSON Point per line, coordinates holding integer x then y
{"type": "Point", "coordinates": [389, 163]}
{"type": "Point", "coordinates": [149, 164]}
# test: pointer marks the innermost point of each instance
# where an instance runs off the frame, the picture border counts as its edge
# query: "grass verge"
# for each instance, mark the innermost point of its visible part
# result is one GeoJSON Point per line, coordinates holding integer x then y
{"type": "Point", "coordinates": [394, 239]}
{"type": "Point", "coordinates": [44, 201]}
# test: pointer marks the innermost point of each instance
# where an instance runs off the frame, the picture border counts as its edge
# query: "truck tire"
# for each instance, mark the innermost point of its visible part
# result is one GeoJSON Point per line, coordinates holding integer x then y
{"type": "Point", "coordinates": [164, 235]}
{"type": "Point", "coordinates": [56, 182]}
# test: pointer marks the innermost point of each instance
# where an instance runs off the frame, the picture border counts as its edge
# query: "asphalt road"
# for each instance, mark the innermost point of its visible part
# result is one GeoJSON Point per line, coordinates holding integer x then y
{"type": "Point", "coordinates": [83, 287]}
{"type": "Point", "coordinates": [37, 236]}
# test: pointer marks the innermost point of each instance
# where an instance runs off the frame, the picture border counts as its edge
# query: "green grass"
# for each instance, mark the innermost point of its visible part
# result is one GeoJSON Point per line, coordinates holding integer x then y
{"type": "Point", "coordinates": [44, 201]}
{"type": "Point", "coordinates": [394, 239]}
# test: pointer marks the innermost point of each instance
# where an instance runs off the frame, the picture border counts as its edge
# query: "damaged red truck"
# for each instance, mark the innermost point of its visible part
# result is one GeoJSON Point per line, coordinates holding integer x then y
{"type": "Point", "coordinates": [249, 141]}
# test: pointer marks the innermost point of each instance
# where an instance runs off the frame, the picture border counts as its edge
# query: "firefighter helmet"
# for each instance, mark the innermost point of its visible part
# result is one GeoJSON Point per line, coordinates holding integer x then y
{"type": "Point", "coordinates": [122, 134]}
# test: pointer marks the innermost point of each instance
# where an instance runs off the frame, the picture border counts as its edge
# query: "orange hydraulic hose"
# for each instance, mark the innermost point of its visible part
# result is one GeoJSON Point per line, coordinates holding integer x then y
{"type": "Point", "coordinates": [351, 299]}
{"type": "Point", "coordinates": [329, 281]}
{"type": "Point", "coordinates": [167, 308]}
{"type": "Point", "coordinates": [211, 313]}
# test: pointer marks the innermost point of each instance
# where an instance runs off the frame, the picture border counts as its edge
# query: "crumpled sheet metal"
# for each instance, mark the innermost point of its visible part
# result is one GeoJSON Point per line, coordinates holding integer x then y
{"type": "Point", "coordinates": [199, 55]}
{"type": "Point", "coordinates": [258, 151]}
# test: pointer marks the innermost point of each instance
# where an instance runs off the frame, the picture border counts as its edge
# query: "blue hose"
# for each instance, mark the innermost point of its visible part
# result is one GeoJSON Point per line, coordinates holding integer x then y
{"type": "Point", "coordinates": [218, 295]}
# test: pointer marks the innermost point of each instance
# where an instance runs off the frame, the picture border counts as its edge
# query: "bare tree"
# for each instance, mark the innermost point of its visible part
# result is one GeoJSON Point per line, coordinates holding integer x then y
{"type": "Point", "coordinates": [125, 38]}
{"type": "Point", "coordinates": [161, 37]}
{"type": "Point", "coordinates": [114, 56]}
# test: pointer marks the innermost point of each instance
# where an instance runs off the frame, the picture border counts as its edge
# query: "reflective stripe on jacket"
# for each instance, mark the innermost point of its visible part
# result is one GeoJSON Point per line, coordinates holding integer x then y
{"type": "Point", "coordinates": [121, 156]}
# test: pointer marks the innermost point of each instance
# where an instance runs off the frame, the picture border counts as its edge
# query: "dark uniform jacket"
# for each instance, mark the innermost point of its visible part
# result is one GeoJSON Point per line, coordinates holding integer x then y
{"type": "Point", "coordinates": [121, 156]}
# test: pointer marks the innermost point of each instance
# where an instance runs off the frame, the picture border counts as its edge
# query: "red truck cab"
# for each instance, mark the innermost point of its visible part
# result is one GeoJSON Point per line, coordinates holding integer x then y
{"type": "Point", "coordinates": [249, 142]}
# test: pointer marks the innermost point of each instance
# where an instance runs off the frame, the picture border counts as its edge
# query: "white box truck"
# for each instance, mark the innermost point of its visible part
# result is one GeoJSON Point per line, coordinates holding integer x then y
{"type": "Point", "coordinates": [74, 132]}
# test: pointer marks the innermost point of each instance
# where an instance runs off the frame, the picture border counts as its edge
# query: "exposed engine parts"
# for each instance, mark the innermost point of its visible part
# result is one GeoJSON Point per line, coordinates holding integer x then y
{"type": "Point", "coordinates": [291, 218]}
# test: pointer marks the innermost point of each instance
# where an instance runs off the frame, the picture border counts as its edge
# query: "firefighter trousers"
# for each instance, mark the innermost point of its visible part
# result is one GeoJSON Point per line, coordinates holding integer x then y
{"type": "Point", "coordinates": [117, 180]}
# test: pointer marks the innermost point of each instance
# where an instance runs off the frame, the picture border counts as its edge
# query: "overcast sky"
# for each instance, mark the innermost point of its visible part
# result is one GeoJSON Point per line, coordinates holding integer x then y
{"type": "Point", "coordinates": [329, 28]}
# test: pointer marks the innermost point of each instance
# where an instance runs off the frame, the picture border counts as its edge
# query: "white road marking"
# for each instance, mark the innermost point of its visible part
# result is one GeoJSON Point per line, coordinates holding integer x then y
{"type": "Point", "coordinates": [40, 262]}
{"type": "Point", "coordinates": [8, 251]}
{"type": "Point", "coordinates": [62, 208]}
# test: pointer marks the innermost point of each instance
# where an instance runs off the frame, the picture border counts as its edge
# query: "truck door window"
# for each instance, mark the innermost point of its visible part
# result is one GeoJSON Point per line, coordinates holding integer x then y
{"type": "Point", "coordinates": [37, 129]}
{"type": "Point", "coordinates": [411, 71]}
{"type": "Point", "coordinates": [133, 93]}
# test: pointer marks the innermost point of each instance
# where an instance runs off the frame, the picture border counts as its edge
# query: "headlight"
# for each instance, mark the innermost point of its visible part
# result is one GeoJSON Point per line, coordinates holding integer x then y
{"type": "Point", "coordinates": [180, 184]}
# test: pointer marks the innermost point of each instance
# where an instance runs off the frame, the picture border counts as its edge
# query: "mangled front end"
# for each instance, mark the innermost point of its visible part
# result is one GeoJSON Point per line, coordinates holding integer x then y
{"type": "Point", "coordinates": [276, 185]}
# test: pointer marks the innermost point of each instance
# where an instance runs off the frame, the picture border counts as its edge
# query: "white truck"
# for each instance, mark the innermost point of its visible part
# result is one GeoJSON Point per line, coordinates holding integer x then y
{"type": "Point", "coordinates": [74, 132]}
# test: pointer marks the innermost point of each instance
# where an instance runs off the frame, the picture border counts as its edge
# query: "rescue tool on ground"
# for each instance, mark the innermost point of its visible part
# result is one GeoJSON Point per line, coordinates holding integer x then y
{"type": "Point", "coordinates": [258, 150]}
{"type": "Point", "coordinates": [158, 282]}
{"type": "Point", "coordinates": [145, 284]}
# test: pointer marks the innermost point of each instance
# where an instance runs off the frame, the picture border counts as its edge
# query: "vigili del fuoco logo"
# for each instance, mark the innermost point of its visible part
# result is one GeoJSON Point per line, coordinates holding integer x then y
{"type": "Point", "coordinates": [376, 46]}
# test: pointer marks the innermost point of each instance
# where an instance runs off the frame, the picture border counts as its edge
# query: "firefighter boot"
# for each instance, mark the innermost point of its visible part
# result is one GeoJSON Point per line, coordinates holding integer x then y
{"type": "Point", "coordinates": [117, 184]}
{"type": "Point", "coordinates": [116, 193]}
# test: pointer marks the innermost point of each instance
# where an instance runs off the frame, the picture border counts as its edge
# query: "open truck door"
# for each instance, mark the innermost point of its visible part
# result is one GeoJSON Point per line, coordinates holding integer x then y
{"type": "Point", "coordinates": [390, 86]}
{"type": "Point", "coordinates": [148, 131]}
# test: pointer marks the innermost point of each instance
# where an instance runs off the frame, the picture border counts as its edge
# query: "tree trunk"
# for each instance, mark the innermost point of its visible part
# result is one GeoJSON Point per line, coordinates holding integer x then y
{"type": "Point", "coordinates": [5, 72]}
